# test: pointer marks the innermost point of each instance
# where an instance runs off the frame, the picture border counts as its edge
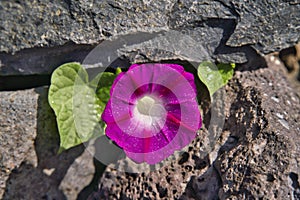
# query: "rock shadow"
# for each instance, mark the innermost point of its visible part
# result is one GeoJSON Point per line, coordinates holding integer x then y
{"type": "Point", "coordinates": [42, 181]}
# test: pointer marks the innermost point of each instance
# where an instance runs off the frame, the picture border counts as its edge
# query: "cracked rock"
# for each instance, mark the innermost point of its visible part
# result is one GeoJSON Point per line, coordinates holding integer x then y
{"type": "Point", "coordinates": [227, 30]}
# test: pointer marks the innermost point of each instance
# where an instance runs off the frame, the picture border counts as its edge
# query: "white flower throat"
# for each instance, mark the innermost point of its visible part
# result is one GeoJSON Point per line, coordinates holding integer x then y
{"type": "Point", "coordinates": [150, 112]}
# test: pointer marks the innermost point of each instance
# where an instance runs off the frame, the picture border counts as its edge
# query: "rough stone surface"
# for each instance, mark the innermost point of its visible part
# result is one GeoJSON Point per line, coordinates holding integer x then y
{"type": "Point", "coordinates": [255, 157]}
{"type": "Point", "coordinates": [29, 165]}
{"type": "Point", "coordinates": [18, 112]}
{"type": "Point", "coordinates": [41, 61]}
{"type": "Point", "coordinates": [268, 25]}
{"type": "Point", "coordinates": [265, 122]}
{"type": "Point", "coordinates": [79, 174]}
{"type": "Point", "coordinates": [227, 30]}
{"type": "Point", "coordinates": [184, 45]}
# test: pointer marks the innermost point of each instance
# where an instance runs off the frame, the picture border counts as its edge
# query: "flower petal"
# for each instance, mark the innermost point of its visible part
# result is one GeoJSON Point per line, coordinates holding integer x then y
{"type": "Point", "coordinates": [135, 119]}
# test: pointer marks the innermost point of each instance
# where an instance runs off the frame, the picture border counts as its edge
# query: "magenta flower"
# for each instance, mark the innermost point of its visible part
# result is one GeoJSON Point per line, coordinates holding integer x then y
{"type": "Point", "coordinates": [152, 111]}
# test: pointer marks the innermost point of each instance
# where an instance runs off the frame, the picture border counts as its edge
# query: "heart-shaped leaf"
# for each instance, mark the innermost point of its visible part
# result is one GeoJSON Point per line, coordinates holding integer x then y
{"type": "Point", "coordinates": [75, 105]}
{"type": "Point", "coordinates": [215, 76]}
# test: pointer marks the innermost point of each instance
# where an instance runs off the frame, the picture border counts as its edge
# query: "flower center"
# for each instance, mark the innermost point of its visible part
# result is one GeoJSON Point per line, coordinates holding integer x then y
{"type": "Point", "coordinates": [150, 112]}
{"type": "Point", "coordinates": [150, 107]}
{"type": "Point", "coordinates": [144, 105]}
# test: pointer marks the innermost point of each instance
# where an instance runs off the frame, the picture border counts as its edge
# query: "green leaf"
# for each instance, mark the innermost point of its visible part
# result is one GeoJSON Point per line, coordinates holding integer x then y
{"type": "Point", "coordinates": [214, 77]}
{"type": "Point", "coordinates": [226, 71]}
{"type": "Point", "coordinates": [103, 83]}
{"type": "Point", "coordinates": [118, 70]}
{"type": "Point", "coordinates": [75, 105]}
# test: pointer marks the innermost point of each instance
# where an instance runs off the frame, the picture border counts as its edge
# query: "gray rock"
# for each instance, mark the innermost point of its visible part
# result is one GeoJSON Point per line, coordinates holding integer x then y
{"type": "Point", "coordinates": [256, 155]}
{"type": "Point", "coordinates": [267, 25]}
{"type": "Point", "coordinates": [28, 24]}
{"type": "Point", "coordinates": [29, 165]}
{"type": "Point", "coordinates": [18, 111]}
{"type": "Point", "coordinates": [41, 61]}
{"type": "Point", "coordinates": [79, 174]}
{"type": "Point", "coordinates": [228, 31]}
{"type": "Point", "coordinates": [264, 121]}
{"type": "Point", "coordinates": [172, 45]}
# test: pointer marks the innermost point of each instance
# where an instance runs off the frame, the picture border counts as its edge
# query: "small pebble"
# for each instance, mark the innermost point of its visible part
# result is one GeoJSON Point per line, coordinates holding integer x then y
{"type": "Point", "coordinates": [275, 99]}
{"type": "Point", "coordinates": [48, 172]}
{"type": "Point", "coordinates": [284, 123]}
{"type": "Point", "coordinates": [280, 116]}
{"type": "Point", "coordinates": [277, 62]}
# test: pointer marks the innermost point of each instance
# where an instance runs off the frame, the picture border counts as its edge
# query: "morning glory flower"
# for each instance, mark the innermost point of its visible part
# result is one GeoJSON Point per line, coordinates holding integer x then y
{"type": "Point", "coordinates": [152, 111]}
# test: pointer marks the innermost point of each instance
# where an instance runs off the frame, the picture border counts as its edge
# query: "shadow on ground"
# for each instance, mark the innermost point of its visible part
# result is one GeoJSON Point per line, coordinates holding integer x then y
{"type": "Point", "coordinates": [44, 181]}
